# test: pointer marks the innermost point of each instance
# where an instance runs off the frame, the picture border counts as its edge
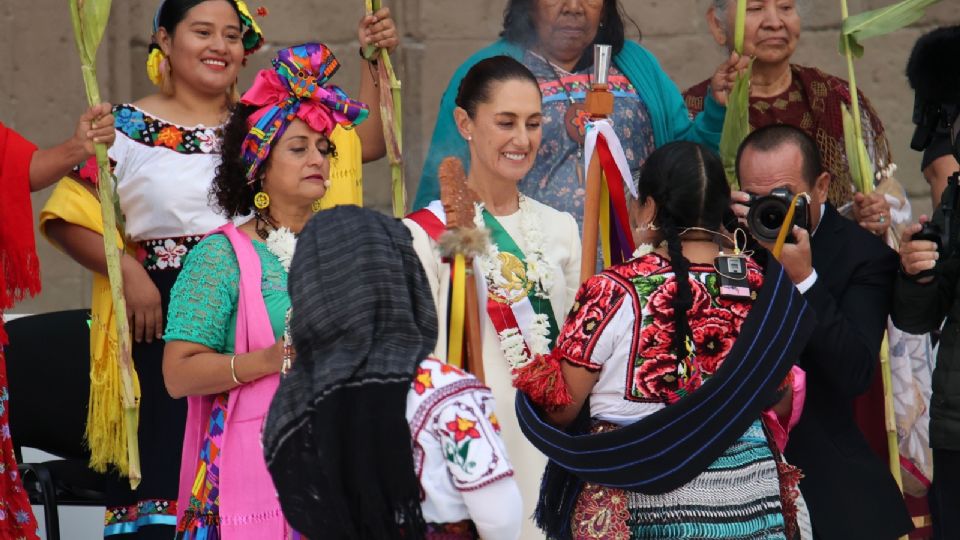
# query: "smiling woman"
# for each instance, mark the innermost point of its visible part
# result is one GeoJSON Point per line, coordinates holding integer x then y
{"type": "Point", "coordinates": [553, 39]}
{"type": "Point", "coordinates": [166, 153]}
{"type": "Point", "coordinates": [531, 269]}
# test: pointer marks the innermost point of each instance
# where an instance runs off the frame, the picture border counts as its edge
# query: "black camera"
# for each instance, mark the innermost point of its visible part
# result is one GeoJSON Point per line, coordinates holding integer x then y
{"type": "Point", "coordinates": [942, 228]}
{"type": "Point", "coordinates": [767, 214]}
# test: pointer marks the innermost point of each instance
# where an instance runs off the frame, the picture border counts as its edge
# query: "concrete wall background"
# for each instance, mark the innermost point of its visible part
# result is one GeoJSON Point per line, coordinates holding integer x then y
{"type": "Point", "coordinates": [41, 91]}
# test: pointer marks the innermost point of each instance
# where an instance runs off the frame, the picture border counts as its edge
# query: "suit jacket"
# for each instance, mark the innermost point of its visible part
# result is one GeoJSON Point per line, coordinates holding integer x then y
{"type": "Point", "coordinates": [848, 489]}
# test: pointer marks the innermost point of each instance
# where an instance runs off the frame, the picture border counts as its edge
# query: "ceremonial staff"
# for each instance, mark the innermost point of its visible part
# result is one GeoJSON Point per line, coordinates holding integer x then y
{"type": "Point", "coordinates": [89, 22]}
{"type": "Point", "coordinates": [461, 243]}
{"type": "Point", "coordinates": [608, 174]}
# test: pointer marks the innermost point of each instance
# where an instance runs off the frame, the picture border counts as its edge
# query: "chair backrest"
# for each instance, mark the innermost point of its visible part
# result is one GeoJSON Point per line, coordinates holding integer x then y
{"type": "Point", "coordinates": [48, 373]}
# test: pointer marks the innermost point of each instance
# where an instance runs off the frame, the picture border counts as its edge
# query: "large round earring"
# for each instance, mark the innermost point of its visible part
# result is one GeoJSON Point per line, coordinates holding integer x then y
{"type": "Point", "coordinates": [261, 200]}
{"type": "Point", "coordinates": [316, 206]}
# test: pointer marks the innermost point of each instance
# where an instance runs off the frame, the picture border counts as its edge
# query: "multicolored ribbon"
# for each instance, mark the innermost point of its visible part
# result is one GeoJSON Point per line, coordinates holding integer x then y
{"type": "Point", "coordinates": [295, 88]}
{"type": "Point", "coordinates": [616, 239]}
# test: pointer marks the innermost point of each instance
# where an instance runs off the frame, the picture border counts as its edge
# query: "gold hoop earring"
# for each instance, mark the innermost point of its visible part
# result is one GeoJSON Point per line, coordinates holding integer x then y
{"type": "Point", "coordinates": [261, 200]}
{"type": "Point", "coordinates": [316, 206]}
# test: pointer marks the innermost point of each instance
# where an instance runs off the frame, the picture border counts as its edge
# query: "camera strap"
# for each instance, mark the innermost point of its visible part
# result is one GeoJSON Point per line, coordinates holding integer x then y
{"type": "Point", "coordinates": [787, 225]}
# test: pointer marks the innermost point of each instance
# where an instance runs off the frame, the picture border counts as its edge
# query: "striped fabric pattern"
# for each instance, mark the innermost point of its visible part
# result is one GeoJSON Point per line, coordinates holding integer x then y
{"type": "Point", "coordinates": [738, 496]}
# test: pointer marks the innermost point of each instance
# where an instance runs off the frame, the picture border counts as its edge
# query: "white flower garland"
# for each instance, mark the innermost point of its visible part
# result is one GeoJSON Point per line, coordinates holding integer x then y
{"type": "Point", "coordinates": [282, 243]}
{"type": "Point", "coordinates": [512, 343]}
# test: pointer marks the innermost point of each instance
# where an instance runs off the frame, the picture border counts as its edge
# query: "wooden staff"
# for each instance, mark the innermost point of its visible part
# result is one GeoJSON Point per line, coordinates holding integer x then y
{"type": "Point", "coordinates": [464, 239]}
{"type": "Point", "coordinates": [599, 105]}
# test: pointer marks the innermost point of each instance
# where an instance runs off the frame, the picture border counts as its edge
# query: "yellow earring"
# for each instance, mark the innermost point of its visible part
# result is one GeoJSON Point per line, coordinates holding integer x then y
{"type": "Point", "coordinates": [316, 206]}
{"type": "Point", "coordinates": [261, 200]}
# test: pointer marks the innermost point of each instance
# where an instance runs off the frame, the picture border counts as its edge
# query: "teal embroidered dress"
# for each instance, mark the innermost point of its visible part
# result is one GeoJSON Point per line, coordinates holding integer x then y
{"type": "Point", "coordinates": [203, 310]}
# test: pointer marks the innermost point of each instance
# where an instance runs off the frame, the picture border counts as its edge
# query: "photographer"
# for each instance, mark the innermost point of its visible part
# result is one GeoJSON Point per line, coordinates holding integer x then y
{"type": "Point", "coordinates": [929, 280]}
{"type": "Point", "coordinates": [846, 274]}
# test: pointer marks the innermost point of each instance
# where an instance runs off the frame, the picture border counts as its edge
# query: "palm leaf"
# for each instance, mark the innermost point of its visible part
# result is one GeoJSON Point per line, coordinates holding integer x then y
{"type": "Point", "coordinates": [89, 19]}
{"type": "Point", "coordinates": [861, 169]}
{"type": "Point", "coordinates": [89, 23]}
{"type": "Point", "coordinates": [736, 125]}
{"type": "Point", "coordinates": [880, 21]}
{"type": "Point", "coordinates": [740, 26]}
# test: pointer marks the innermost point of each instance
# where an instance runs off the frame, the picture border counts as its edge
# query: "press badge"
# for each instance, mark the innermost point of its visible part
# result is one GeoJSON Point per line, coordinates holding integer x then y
{"type": "Point", "coordinates": [733, 277]}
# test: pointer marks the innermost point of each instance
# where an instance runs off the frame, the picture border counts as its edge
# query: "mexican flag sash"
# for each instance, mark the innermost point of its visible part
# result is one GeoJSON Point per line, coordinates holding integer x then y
{"type": "Point", "coordinates": [513, 303]}
{"type": "Point", "coordinates": [516, 303]}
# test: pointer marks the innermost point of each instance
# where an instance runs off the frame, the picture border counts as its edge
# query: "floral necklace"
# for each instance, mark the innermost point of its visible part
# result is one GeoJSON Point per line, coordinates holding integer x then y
{"type": "Point", "coordinates": [282, 242]}
{"type": "Point", "coordinates": [537, 271]}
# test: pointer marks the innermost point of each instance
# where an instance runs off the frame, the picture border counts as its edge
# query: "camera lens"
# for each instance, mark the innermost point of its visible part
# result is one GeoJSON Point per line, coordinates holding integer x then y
{"type": "Point", "coordinates": [771, 217]}
{"type": "Point", "coordinates": [765, 217]}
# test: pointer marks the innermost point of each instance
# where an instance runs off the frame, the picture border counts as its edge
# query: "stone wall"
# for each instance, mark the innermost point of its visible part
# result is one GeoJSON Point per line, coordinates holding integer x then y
{"type": "Point", "coordinates": [41, 92]}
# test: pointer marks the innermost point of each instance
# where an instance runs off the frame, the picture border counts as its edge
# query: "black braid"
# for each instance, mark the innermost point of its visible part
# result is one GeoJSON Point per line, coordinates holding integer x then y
{"type": "Point", "coordinates": [684, 299]}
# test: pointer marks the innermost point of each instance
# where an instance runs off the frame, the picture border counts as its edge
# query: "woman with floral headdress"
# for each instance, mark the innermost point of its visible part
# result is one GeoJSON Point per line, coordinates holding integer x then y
{"type": "Point", "coordinates": [227, 310]}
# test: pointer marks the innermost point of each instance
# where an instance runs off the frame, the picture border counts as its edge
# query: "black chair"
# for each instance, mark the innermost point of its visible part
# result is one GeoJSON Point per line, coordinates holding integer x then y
{"type": "Point", "coordinates": [48, 364]}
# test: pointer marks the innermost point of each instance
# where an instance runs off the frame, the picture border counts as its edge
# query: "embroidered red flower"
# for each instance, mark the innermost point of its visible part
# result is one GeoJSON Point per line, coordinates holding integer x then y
{"type": "Point", "coordinates": [595, 301]}
{"type": "Point", "coordinates": [422, 381]}
{"type": "Point", "coordinates": [170, 137]}
{"type": "Point", "coordinates": [714, 337]}
{"type": "Point", "coordinates": [656, 378]}
{"type": "Point", "coordinates": [262, 11]}
{"type": "Point", "coordinates": [661, 300]}
{"type": "Point", "coordinates": [461, 428]}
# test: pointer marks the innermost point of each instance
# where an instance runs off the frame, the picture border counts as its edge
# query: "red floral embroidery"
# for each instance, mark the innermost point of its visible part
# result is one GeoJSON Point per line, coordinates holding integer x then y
{"type": "Point", "coordinates": [648, 265]}
{"type": "Point", "coordinates": [597, 300]}
{"type": "Point", "coordinates": [601, 512]}
{"type": "Point", "coordinates": [714, 336]}
{"type": "Point", "coordinates": [461, 428]}
{"type": "Point", "coordinates": [661, 300]}
{"type": "Point", "coordinates": [422, 381]}
{"type": "Point", "coordinates": [170, 137]}
{"type": "Point", "coordinates": [262, 11]}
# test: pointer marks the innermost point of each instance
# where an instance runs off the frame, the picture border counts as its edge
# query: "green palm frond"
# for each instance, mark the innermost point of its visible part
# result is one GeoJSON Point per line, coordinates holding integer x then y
{"type": "Point", "coordinates": [89, 23]}
{"type": "Point", "coordinates": [736, 122]}
{"type": "Point", "coordinates": [861, 169]}
{"type": "Point", "coordinates": [736, 125]}
{"type": "Point", "coordinates": [878, 22]}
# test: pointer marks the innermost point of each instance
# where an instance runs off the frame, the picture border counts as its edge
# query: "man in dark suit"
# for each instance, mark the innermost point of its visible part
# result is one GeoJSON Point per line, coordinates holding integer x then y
{"type": "Point", "coordinates": [846, 274]}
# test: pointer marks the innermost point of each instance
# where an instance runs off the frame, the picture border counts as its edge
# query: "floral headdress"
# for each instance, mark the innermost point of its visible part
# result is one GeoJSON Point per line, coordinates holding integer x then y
{"type": "Point", "coordinates": [295, 88]}
{"type": "Point", "coordinates": [252, 38]}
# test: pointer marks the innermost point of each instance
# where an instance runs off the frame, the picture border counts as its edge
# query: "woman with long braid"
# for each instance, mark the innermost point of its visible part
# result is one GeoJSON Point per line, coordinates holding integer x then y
{"type": "Point", "coordinates": [641, 341]}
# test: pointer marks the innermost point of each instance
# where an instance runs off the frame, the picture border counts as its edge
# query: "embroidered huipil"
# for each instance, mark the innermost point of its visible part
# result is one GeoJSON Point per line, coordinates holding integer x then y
{"type": "Point", "coordinates": [456, 439]}
{"type": "Point", "coordinates": [623, 327]}
{"type": "Point", "coordinates": [164, 172]}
